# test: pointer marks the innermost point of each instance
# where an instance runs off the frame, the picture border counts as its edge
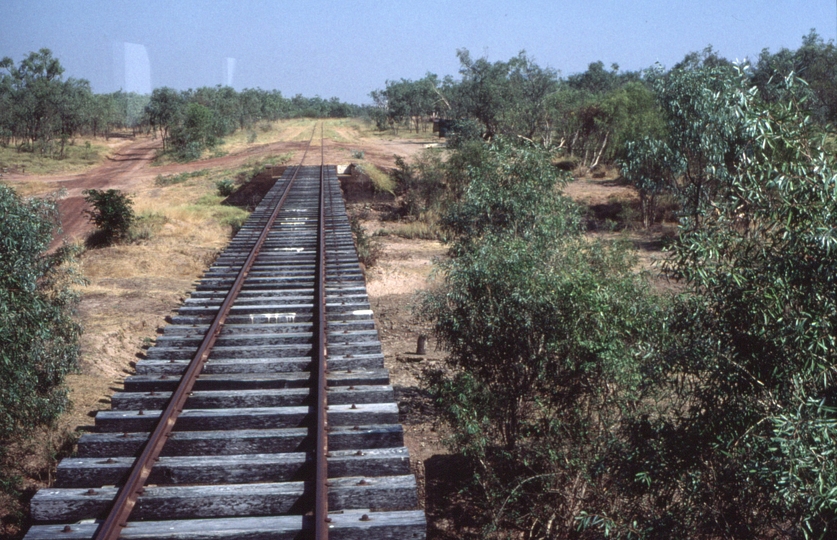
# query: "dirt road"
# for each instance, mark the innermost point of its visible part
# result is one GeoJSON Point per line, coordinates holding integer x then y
{"type": "Point", "coordinates": [130, 166]}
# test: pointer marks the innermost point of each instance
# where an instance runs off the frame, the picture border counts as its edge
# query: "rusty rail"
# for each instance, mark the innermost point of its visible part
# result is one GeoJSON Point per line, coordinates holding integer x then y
{"type": "Point", "coordinates": [321, 519]}
{"type": "Point", "coordinates": [127, 496]}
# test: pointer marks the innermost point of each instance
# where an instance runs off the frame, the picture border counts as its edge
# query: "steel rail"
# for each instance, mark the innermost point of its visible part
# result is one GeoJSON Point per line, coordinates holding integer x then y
{"type": "Point", "coordinates": [321, 520]}
{"type": "Point", "coordinates": [128, 494]}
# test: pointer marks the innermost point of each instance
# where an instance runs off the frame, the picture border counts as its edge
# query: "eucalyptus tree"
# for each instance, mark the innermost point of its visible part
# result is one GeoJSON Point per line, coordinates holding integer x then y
{"type": "Point", "coordinates": [699, 143]}
{"type": "Point", "coordinates": [36, 89]}
{"type": "Point", "coordinates": [164, 111]}
{"type": "Point", "coordinates": [249, 108]}
{"type": "Point", "coordinates": [41, 107]}
{"type": "Point", "coordinates": [760, 333]}
{"type": "Point", "coordinates": [742, 443]}
{"type": "Point", "coordinates": [815, 61]}
{"type": "Point", "coordinates": [482, 92]}
{"type": "Point", "coordinates": [39, 337]}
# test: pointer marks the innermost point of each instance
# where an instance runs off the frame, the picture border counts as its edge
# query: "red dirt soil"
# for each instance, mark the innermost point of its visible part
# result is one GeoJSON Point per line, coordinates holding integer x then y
{"type": "Point", "coordinates": [131, 164]}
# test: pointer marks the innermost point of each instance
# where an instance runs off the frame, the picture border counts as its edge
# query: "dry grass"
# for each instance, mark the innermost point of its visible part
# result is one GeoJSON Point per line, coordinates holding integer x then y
{"type": "Point", "coordinates": [132, 286]}
{"type": "Point", "coordinates": [410, 230]}
{"type": "Point", "coordinates": [348, 130]}
{"type": "Point", "coordinates": [381, 181]}
{"type": "Point", "coordinates": [33, 188]}
{"type": "Point", "coordinates": [78, 157]}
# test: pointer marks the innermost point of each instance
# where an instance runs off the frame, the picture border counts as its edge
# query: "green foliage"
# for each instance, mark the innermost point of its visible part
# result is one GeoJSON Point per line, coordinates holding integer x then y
{"type": "Point", "coordinates": [651, 166]}
{"type": "Point", "coordinates": [513, 195]}
{"type": "Point", "coordinates": [742, 438]}
{"type": "Point", "coordinates": [815, 61]}
{"type": "Point", "coordinates": [463, 132]}
{"type": "Point", "coordinates": [406, 101]}
{"type": "Point", "coordinates": [368, 249]}
{"type": "Point", "coordinates": [505, 97]}
{"type": "Point", "coordinates": [39, 338]}
{"type": "Point", "coordinates": [38, 107]}
{"type": "Point", "coordinates": [421, 184]}
{"type": "Point", "coordinates": [225, 187]}
{"type": "Point", "coordinates": [544, 331]}
{"type": "Point", "coordinates": [172, 179]}
{"type": "Point", "coordinates": [764, 264]}
{"type": "Point", "coordinates": [112, 213]}
{"type": "Point", "coordinates": [702, 143]}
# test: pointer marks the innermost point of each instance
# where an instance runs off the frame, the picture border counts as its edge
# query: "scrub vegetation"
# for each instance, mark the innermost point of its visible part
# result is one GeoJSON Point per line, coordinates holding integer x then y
{"type": "Point", "coordinates": [584, 400]}
{"type": "Point", "coordinates": [588, 403]}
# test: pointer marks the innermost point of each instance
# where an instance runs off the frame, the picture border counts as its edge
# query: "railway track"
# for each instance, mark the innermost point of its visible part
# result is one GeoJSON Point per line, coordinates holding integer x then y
{"type": "Point", "coordinates": [287, 428]}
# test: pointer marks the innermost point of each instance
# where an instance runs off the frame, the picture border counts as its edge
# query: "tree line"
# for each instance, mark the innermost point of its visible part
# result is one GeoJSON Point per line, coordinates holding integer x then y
{"type": "Point", "coordinates": [42, 112]}
{"type": "Point", "coordinates": [590, 116]}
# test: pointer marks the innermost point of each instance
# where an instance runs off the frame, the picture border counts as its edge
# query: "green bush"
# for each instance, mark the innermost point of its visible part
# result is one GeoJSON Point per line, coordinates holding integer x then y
{"type": "Point", "coordinates": [757, 336]}
{"type": "Point", "coordinates": [421, 185]}
{"type": "Point", "coordinates": [189, 140]}
{"type": "Point", "coordinates": [368, 250]}
{"type": "Point", "coordinates": [39, 336]}
{"type": "Point", "coordinates": [545, 332]}
{"type": "Point", "coordinates": [112, 213]}
{"type": "Point", "coordinates": [739, 438]}
{"type": "Point", "coordinates": [225, 187]}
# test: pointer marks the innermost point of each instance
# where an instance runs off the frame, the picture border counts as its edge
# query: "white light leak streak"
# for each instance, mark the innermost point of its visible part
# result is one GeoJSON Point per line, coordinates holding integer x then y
{"type": "Point", "coordinates": [137, 69]}
{"type": "Point", "coordinates": [229, 71]}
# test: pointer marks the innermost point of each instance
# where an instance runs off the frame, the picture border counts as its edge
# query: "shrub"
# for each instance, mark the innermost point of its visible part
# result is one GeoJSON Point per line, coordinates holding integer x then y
{"type": "Point", "coordinates": [225, 187]}
{"type": "Point", "coordinates": [112, 213]}
{"type": "Point", "coordinates": [757, 337]}
{"type": "Point", "coordinates": [39, 337]}
{"type": "Point", "coordinates": [544, 331]}
{"type": "Point", "coordinates": [368, 250]}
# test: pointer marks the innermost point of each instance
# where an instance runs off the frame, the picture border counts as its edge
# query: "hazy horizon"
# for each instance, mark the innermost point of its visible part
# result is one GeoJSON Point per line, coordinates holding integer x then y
{"type": "Point", "coordinates": [118, 44]}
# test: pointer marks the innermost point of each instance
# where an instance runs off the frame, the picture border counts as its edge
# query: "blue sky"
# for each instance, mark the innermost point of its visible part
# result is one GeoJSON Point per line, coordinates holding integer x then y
{"type": "Point", "coordinates": [346, 48]}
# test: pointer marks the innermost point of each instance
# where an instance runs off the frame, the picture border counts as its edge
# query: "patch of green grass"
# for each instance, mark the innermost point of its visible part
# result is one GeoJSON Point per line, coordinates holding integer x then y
{"type": "Point", "coordinates": [381, 180]}
{"type": "Point", "coordinates": [172, 179]}
{"type": "Point", "coordinates": [209, 209]}
{"type": "Point", "coordinates": [209, 199]}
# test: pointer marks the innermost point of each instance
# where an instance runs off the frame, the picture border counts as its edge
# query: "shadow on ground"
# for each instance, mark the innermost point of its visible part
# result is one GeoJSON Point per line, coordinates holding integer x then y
{"type": "Point", "coordinates": [449, 513]}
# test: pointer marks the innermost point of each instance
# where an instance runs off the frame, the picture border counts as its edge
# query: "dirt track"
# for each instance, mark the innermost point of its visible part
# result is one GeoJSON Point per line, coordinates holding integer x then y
{"type": "Point", "coordinates": [130, 166]}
